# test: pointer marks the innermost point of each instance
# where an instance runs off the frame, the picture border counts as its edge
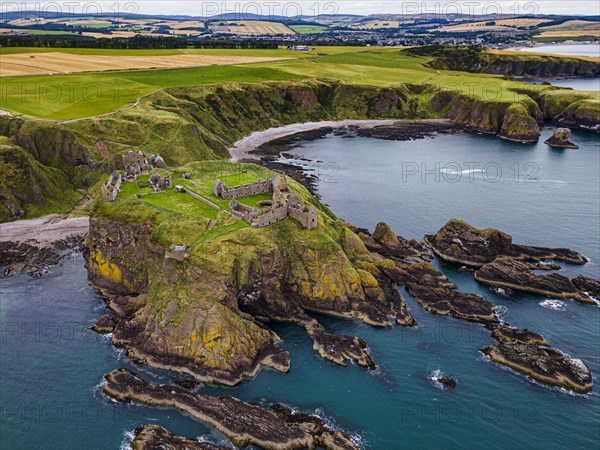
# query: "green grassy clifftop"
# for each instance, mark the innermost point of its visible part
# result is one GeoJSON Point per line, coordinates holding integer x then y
{"type": "Point", "coordinates": [194, 315]}
{"type": "Point", "coordinates": [201, 123]}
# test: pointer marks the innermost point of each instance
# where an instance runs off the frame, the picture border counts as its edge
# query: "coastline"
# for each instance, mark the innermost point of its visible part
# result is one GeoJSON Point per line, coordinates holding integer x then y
{"type": "Point", "coordinates": [35, 244]}
{"type": "Point", "coordinates": [43, 231]}
{"type": "Point", "coordinates": [241, 149]}
{"type": "Point", "coordinates": [265, 147]}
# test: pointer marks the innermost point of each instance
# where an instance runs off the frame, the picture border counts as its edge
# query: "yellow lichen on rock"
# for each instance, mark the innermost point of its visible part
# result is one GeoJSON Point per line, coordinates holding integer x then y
{"type": "Point", "coordinates": [106, 269]}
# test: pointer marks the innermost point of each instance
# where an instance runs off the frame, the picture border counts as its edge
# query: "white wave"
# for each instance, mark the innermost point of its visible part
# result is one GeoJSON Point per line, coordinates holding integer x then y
{"type": "Point", "coordinates": [501, 313]}
{"type": "Point", "coordinates": [211, 440]}
{"type": "Point", "coordinates": [594, 299]}
{"type": "Point", "coordinates": [461, 172]}
{"type": "Point", "coordinates": [435, 376]}
{"type": "Point", "coordinates": [99, 387]}
{"type": "Point", "coordinates": [357, 438]}
{"type": "Point", "coordinates": [552, 303]}
{"type": "Point", "coordinates": [128, 436]}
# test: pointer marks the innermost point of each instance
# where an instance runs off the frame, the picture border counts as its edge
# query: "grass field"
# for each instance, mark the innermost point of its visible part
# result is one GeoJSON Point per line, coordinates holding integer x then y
{"type": "Point", "coordinates": [309, 29]}
{"type": "Point", "coordinates": [61, 97]}
{"type": "Point", "coordinates": [53, 63]}
{"type": "Point", "coordinates": [85, 95]}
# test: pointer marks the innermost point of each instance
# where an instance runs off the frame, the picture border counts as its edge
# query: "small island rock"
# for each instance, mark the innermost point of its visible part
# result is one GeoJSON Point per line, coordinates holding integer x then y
{"type": "Point", "coordinates": [560, 139]}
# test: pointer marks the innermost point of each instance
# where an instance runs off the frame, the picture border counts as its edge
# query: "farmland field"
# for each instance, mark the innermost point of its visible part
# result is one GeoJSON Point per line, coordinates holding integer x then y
{"type": "Point", "coordinates": [53, 63]}
{"type": "Point", "coordinates": [309, 29]}
{"type": "Point", "coordinates": [251, 27]}
{"type": "Point", "coordinates": [379, 24]}
{"type": "Point", "coordinates": [497, 25]}
{"type": "Point", "coordinates": [570, 33]}
{"type": "Point", "coordinates": [61, 97]}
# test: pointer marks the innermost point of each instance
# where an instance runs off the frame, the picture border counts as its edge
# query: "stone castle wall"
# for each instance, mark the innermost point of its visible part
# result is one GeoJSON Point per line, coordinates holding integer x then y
{"type": "Point", "coordinates": [285, 203]}
{"type": "Point", "coordinates": [110, 190]}
{"type": "Point", "coordinates": [243, 190]}
{"type": "Point", "coordinates": [307, 216]}
{"type": "Point", "coordinates": [270, 216]}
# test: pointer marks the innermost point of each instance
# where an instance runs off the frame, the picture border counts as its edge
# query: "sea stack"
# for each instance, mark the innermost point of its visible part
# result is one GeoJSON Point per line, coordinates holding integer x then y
{"type": "Point", "coordinates": [560, 139]}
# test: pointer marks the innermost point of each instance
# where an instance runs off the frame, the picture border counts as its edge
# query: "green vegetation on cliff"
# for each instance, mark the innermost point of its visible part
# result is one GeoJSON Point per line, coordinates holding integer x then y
{"type": "Point", "coordinates": [30, 189]}
{"type": "Point", "coordinates": [197, 114]}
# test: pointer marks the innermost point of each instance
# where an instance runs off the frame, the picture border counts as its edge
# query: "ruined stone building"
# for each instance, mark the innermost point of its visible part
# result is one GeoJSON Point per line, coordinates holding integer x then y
{"type": "Point", "coordinates": [285, 203]}
{"type": "Point", "coordinates": [220, 189]}
{"type": "Point", "coordinates": [135, 164]}
{"type": "Point", "coordinates": [159, 183]}
{"type": "Point", "coordinates": [110, 190]}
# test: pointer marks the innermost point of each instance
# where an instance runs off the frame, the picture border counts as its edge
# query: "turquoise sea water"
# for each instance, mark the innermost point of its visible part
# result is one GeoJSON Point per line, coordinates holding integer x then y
{"type": "Point", "coordinates": [51, 365]}
{"type": "Point", "coordinates": [592, 50]}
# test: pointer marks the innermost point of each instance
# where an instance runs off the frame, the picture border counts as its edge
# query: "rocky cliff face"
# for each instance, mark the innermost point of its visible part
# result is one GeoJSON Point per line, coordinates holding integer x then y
{"type": "Point", "coordinates": [192, 124]}
{"type": "Point", "coordinates": [27, 185]}
{"type": "Point", "coordinates": [201, 315]}
{"type": "Point", "coordinates": [478, 60]}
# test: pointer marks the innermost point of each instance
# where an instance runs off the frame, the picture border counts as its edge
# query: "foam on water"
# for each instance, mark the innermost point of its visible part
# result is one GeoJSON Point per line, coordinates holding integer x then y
{"type": "Point", "coordinates": [435, 376]}
{"type": "Point", "coordinates": [464, 172]}
{"type": "Point", "coordinates": [128, 436]}
{"type": "Point", "coordinates": [554, 304]}
{"type": "Point", "coordinates": [501, 312]}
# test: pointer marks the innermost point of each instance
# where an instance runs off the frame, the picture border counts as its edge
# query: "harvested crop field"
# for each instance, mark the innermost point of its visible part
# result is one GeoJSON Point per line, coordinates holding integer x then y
{"type": "Point", "coordinates": [504, 24]}
{"type": "Point", "coordinates": [251, 28]}
{"type": "Point", "coordinates": [54, 62]}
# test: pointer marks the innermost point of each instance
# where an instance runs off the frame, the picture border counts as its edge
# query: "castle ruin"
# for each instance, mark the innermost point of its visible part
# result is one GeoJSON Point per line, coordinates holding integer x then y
{"type": "Point", "coordinates": [110, 190]}
{"type": "Point", "coordinates": [135, 164]}
{"type": "Point", "coordinates": [285, 203]}
{"type": "Point", "coordinates": [159, 183]}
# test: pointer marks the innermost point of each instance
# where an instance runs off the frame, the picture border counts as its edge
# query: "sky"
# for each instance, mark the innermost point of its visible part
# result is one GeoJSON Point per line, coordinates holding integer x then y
{"type": "Point", "coordinates": [310, 7]}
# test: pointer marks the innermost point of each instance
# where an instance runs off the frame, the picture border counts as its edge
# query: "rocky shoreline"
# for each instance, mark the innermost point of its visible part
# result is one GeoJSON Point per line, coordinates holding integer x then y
{"type": "Point", "coordinates": [500, 262]}
{"type": "Point", "coordinates": [266, 147]}
{"type": "Point", "coordinates": [530, 354]}
{"type": "Point", "coordinates": [34, 245]}
{"type": "Point", "coordinates": [243, 423]}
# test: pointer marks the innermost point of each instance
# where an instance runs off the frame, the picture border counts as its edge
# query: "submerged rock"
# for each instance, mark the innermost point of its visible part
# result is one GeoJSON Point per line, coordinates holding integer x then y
{"type": "Point", "coordinates": [447, 382]}
{"type": "Point", "coordinates": [511, 273]}
{"type": "Point", "coordinates": [461, 243]}
{"type": "Point", "coordinates": [243, 423]}
{"type": "Point", "coordinates": [560, 139]}
{"type": "Point", "coordinates": [155, 437]}
{"type": "Point", "coordinates": [530, 354]}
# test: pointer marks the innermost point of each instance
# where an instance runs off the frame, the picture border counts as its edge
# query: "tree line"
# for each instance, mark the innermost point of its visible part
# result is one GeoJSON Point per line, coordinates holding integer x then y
{"type": "Point", "coordinates": [137, 42]}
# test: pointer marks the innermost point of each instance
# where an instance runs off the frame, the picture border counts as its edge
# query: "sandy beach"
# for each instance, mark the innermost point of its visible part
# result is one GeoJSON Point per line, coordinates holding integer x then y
{"type": "Point", "coordinates": [241, 149]}
{"type": "Point", "coordinates": [43, 231]}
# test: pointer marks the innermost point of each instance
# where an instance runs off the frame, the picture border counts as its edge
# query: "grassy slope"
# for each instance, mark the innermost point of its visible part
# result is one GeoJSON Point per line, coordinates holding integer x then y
{"type": "Point", "coordinates": [186, 124]}
{"type": "Point", "coordinates": [31, 186]}
{"type": "Point", "coordinates": [84, 95]}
